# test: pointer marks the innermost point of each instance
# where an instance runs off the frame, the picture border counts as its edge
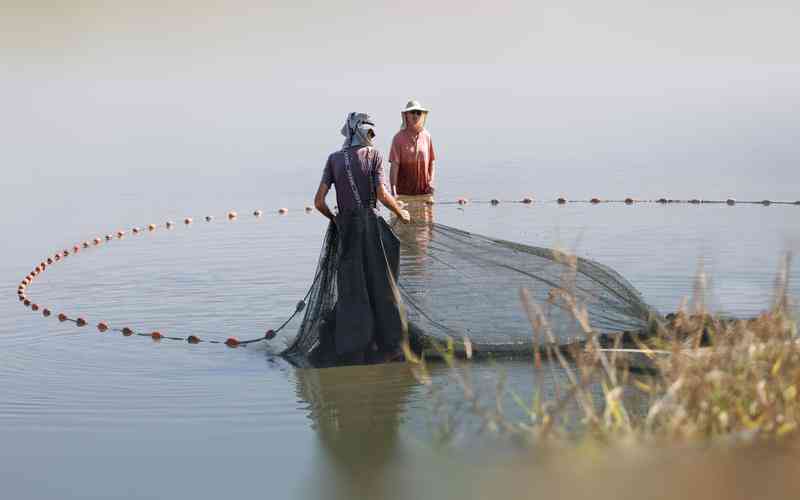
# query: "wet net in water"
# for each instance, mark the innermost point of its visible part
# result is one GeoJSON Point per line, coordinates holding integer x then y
{"type": "Point", "coordinates": [456, 285]}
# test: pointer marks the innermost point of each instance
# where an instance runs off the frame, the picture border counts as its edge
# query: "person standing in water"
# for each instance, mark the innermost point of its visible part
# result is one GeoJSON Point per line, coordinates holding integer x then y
{"type": "Point", "coordinates": [368, 321]}
{"type": "Point", "coordinates": [412, 157]}
{"type": "Point", "coordinates": [412, 177]}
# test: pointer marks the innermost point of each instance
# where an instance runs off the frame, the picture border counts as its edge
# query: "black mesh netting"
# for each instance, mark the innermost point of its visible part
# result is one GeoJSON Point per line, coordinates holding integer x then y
{"type": "Point", "coordinates": [456, 284]}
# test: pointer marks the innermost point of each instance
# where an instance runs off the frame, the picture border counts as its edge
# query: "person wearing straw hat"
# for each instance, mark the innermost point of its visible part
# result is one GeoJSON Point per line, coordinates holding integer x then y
{"type": "Point", "coordinates": [413, 161]}
{"type": "Point", "coordinates": [367, 322]}
{"type": "Point", "coordinates": [412, 157]}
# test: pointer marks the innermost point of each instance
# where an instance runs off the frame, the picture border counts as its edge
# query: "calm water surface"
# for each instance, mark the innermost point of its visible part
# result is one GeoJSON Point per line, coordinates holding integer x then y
{"type": "Point", "coordinates": [90, 415]}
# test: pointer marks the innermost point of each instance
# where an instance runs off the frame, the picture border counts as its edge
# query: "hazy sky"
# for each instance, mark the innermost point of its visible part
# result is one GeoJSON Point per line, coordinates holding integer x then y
{"type": "Point", "coordinates": [117, 86]}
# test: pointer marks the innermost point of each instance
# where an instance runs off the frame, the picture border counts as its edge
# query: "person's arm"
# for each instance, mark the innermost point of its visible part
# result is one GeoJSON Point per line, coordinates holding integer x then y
{"type": "Point", "coordinates": [389, 202]}
{"type": "Point", "coordinates": [321, 204]}
{"type": "Point", "coordinates": [393, 169]}
{"type": "Point", "coordinates": [432, 167]}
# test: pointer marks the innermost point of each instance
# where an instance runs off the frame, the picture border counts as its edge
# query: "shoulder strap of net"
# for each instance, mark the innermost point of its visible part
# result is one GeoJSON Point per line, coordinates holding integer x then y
{"type": "Point", "coordinates": [353, 187]}
{"type": "Point", "coordinates": [348, 171]}
{"type": "Point", "coordinates": [373, 178]}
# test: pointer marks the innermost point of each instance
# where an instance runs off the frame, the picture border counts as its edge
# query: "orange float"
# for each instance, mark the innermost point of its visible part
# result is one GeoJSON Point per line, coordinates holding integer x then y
{"type": "Point", "coordinates": [135, 230]}
{"type": "Point", "coordinates": [27, 302]}
{"type": "Point", "coordinates": [283, 211]}
{"type": "Point", "coordinates": [187, 221]}
{"type": "Point", "coordinates": [232, 342]}
{"type": "Point", "coordinates": [80, 322]}
{"type": "Point", "coordinates": [85, 244]}
{"type": "Point", "coordinates": [232, 215]}
{"type": "Point", "coordinates": [62, 317]}
{"type": "Point", "coordinates": [109, 237]}
{"type": "Point", "coordinates": [102, 326]}
{"type": "Point", "coordinates": [127, 331]}
{"type": "Point", "coordinates": [151, 227]}
{"type": "Point", "coordinates": [34, 307]}
{"type": "Point", "coordinates": [97, 241]}
{"type": "Point", "coordinates": [629, 201]}
{"type": "Point", "coordinates": [49, 260]}
{"type": "Point", "coordinates": [45, 312]}
{"type": "Point", "coordinates": [527, 200]}
{"type": "Point", "coordinates": [156, 335]}
{"type": "Point", "coordinates": [193, 339]}
{"type": "Point", "coordinates": [595, 200]}
{"type": "Point", "coordinates": [270, 334]}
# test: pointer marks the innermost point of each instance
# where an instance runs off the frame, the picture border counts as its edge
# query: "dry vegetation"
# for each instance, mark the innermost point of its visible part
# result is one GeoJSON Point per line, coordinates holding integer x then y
{"type": "Point", "coordinates": [714, 381]}
{"type": "Point", "coordinates": [716, 417]}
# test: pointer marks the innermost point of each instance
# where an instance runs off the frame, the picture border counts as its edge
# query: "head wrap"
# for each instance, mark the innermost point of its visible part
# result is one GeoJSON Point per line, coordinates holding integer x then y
{"type": "Point", "coordinates": [356, 130]}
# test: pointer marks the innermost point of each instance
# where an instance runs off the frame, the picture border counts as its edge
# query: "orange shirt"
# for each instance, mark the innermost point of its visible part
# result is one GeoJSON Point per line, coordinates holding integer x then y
{"type": "Point", "coordinates": [413, 154]}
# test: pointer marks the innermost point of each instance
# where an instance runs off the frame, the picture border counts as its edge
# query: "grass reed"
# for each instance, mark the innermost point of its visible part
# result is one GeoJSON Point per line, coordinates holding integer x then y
{"type": "Point", "coordinates": [716, 380]}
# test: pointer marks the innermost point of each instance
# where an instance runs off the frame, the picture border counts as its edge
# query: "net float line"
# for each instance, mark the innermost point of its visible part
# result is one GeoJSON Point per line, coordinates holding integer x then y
{"type": "Point", "coordinates": [527, 200]}
{"type": "Point", "coordinates": [156, 335]}
{"type": "Point", "coordinates": [232, 215]}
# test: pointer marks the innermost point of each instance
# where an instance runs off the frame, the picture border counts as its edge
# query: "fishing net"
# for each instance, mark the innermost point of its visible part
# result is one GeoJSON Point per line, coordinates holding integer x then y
{"type": "Point", "coordinates": [459, 285]}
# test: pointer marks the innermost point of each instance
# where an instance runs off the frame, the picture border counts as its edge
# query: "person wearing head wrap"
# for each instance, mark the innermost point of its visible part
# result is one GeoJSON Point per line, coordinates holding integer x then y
{"type": "Point", "coordinates": [412, 157]}
{"type": "Point", "coordinates": [366, 166]}
{"type": "Point", "coordinates": [368, 318]}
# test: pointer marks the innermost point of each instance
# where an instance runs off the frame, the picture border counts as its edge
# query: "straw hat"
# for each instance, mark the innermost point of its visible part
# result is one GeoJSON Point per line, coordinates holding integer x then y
{"type": "Point", "coordinates": [413, 105]}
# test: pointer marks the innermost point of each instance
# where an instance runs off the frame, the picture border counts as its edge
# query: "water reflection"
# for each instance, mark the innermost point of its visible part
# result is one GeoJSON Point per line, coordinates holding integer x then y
{"type": "Point", "coordinates": [356, 412]}
{"type": "Point", "coordinates": [415, 238]}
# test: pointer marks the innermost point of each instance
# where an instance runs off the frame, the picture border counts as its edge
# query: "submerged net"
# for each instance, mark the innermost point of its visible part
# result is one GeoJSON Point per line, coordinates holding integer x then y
{"type": "Point", "coordinates": [457, 285]}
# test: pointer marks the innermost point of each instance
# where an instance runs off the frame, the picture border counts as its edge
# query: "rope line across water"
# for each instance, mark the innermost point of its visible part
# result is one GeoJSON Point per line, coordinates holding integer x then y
{"type": "Point", "coordinates": [157, 336]}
